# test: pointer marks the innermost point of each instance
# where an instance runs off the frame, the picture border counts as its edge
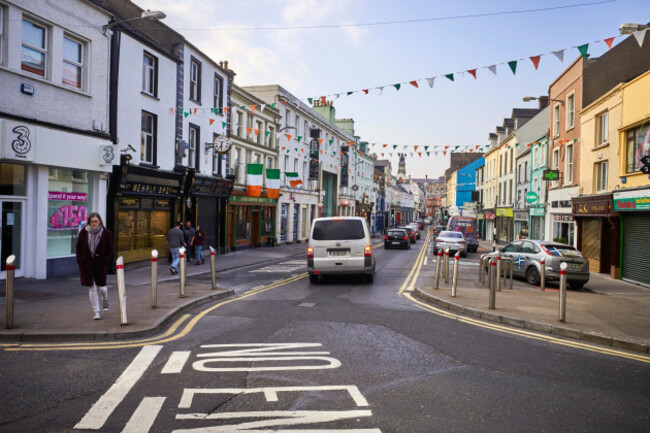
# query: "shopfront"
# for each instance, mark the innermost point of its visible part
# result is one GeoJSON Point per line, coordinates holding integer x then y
{"type": "Point", "coordinates": [251, 221]}
{"type": "Point", "coordinates": [633, 207]}
{"type": "Point", "coordinates": [490, 227]}
{"type": "Point", "coordinates": [211, 195]}
{"type": "Point", "coordinates": [537, 225]}
{"type": "Point", "coordinates": [504, 224]}
{"type": "Point", "coordinates": [13, 199]}
{"type": "Point", "coordinates": [364, 210]}
{"type": "Point", "coordinates": [598, 228]}
{"type": "Point", "coordinates": [561, 226]}
{"type": "Point", "coordinates": [521, 223]}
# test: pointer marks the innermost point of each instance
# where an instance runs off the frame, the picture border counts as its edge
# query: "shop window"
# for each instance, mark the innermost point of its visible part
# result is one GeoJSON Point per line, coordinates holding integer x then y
{"type": "Point", "coordinates": [149, 74]}
{"type": "Point", "coordinates": [142, 225]}
{"type": "Point", "coordinates": [34, 48]}
{"type": "Point", "coordinates": [73, 62]}
{"type": "Point", "coordinates": [638, 145]}
{"type": "Point", "coordinates": [243, 222]}
{"type": "Point", "coordinates": [12, 179]}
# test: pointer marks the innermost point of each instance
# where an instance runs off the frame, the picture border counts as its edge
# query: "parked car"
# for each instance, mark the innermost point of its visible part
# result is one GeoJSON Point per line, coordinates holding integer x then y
{"type": "Point", "coordinates": [411, 233]}
{"type": "Point", "coordinates": [397, 238]}
{"type": "Point", "coordinates": [420, 224]}
{"type": "Point", "coordinates": [428, 221]}
{"type": "Point", "coordinates": [438, 229]}
{"type": "Point", "coordinates": [527, 255]}
{"type": "Point", "coordinates": [416, 228]}
{"type": "Point", "coordinates": [468, 226]}
{"type": "Point", "coordinates": [455, 241]}
{"type": "Point", "coordinates": [340, 245]}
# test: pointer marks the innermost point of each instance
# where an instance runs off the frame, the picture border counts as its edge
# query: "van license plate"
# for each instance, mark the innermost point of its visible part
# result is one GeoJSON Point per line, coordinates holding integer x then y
{"type": "Point", "coordinates": [338, 253]}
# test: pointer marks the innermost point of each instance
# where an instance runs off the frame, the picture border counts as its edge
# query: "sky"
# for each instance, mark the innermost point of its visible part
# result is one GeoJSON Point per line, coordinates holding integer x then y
{"type": "Point", "coordinates": [341, 55]}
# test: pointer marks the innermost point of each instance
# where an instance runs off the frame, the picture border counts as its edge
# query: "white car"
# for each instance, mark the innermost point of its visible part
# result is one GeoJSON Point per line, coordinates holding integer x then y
{"type": "Point", "coordinates": [455, 241]}
{"type": "Point", "coordinates": [339, 246]}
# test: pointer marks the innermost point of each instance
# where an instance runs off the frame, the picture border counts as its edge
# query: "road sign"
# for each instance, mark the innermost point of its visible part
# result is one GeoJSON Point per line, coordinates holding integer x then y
{"type": "Point", "coordinates": [532, 197]}
{"type": "Point", "coordinates": [551, 175]}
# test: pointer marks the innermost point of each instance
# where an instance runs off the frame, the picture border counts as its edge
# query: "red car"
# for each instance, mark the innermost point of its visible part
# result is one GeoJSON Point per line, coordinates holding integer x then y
{"type": "Point", "coordinates": [411, 233]}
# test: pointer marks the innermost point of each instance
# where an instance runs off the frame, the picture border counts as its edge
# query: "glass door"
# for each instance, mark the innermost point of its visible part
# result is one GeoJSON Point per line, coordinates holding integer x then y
{"type": "Point", "coordinates": [11, 230]}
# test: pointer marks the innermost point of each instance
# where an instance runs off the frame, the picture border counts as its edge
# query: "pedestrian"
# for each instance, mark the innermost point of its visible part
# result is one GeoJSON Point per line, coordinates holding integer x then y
{"type": "Point", "coordinates": [175, 240]}
{"type": "Point", "coordinates": [94, 251]}
{"type": "Point", "coordinates": [199, 242]}
{"type": "Point", "coordinates": [189, 240]}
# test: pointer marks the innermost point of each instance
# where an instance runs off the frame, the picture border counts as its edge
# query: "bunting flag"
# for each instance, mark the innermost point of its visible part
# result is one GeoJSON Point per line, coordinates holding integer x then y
{"type": "Point", "coordinates": [273, 106]}
{"type": "Point", "coordinates": [273, 183]}
{"type": "Point", "coordinates": [262, 108]}
{"type": "Point", "coordinates": [223, 125]}
{"type": "Point", "coordinates": [430, 81]}
{"type": "Point", "coordinates": [320, 141]}
{"type": "Point", "coordinates": [225, 110]}
{"type": "Point", "coordinates": [299, 138]}
{"type": "Point", "coordinates": [640, 36]}
{"type": "Point", "coordinates": [472, 72]}
{"type": "Point", "coordinates": [513, 66]}
{"type": "Point", "coordinates": [288, 137]}
{"type": "Point", "coordinates": [267, 133]}
{"type": "Point", "coordinates": [450, 76]}
{"type": "Point", "coordinates": [253, 108]}
{"type": "Point", "coordinates": [559, 54]}
{"type": "Point", "coordinates": [414, 83]}
{"type": "Point", "coordinates": [397, 86]}
{"type": "Point", "coordinates": [248, 131]}
{"type": "Point", "coordinates": [211, 121]}
{"type": "Point", "coordinates": [365, 91]}
{"type": "Point", "coordinates": [493, 69]}
{"type": "Point", "coordinates": [535, 60]}
{"type": "Point", "coordinates": [311, 101]}
{"type": "Point", "coordinates": [609, 42]}
{"type": "Point", "coordinates": [254, 179]}
{"type": "Point", "coordinates": [583, 50]}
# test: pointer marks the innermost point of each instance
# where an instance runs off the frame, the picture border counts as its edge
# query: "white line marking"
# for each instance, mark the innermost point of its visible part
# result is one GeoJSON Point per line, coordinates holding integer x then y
{"type": "Point", "coordinates": [102, 409]}
{"type": "Point", "coordinates": [425, 260]}
{"type": "Point", "coordinates": [176, 362]}
{"type": "Point", "coordinates": [145, 415]}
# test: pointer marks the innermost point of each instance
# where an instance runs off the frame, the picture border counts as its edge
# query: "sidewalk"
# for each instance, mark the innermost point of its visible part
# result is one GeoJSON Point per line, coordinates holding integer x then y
{"type": "Point", "coordinates": [59, 309]}
{"type": "Point", "coordinates": [607, 311]}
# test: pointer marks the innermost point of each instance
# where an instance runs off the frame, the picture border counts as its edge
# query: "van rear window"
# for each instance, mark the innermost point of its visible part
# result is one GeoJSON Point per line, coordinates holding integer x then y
{"type": "Point", "coordinates": [338, 230]}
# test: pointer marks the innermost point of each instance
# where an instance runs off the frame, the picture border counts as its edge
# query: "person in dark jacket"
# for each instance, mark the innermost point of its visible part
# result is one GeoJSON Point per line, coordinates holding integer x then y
{"type": "Point", "coordinates": [94, 252]}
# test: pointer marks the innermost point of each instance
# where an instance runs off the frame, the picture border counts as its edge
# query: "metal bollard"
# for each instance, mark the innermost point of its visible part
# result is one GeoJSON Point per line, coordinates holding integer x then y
{"type": "Point", "coordinates": [182, 272]}
{"type": "Point", "coordinates": [9, 291]}
{"type": "Point", "coordinates": [213, 268]}
{"type": "Point", "coordinates": [454, 281]}
{"type": "Point", "coordinates": [498, 271]}
{"type": "Point", "coordinates": [154, 278]}
{"type": "Point", "coordinates": [542, 280]}
{"type": "Point", "coordinates": [121, 290]}
{"type": "Point", "coordinates": [493, 277]}
{"type": "Point", "coordinates": [438, 260]}
{"type": "Point", "coordinates": [562, 313]}
{"type": "Point", "coordinates": [446, 271]}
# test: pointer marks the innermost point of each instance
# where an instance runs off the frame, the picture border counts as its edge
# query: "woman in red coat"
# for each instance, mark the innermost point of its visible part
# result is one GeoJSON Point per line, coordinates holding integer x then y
{"type": "Point", "coordinates": [94, 253]}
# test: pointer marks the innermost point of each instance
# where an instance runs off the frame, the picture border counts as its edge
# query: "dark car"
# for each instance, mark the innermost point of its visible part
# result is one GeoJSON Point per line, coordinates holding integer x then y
{"type": "Point", "coordinates": [397, 238]}
{"type": "Point", "coordinates": [438, 229]}
{"type": "Point", "coordinates": [411, 233]}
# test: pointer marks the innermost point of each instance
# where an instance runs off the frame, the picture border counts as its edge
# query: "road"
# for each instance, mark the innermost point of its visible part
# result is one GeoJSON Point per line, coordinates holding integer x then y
{"type": "Point", "coordinates": [342, 355]}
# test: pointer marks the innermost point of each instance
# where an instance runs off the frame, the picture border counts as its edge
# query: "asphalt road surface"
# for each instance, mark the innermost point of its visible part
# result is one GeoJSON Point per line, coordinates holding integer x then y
{"type": "Point", "coordinates": [339, 356]}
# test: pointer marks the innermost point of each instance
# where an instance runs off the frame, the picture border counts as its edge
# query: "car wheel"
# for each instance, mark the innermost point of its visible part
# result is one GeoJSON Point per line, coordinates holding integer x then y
{"type": "Point", "coordinates": [370, 278]}
{"type": "Point", "coordinates": [532, 276]}
{"type": "Point", "coordinates": [385, 247]}
{"type": "Point", "coordinates": [313, 279]}
{"type": "Point", "coordinates": [463, 254]}
{"type": "Point", "coordinates": [408, 247]}
{"type": "Point", "coordinates": [576, 286]}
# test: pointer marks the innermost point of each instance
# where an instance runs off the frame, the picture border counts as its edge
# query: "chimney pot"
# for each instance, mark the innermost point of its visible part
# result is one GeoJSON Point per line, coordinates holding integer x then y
{"type": "Point", "coordinates": [225, 64]}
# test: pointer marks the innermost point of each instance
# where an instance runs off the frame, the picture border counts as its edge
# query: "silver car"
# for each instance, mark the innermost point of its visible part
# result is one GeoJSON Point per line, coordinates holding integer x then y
{"type": "Point", "coordinates": [527, 255]}
{"type": "Point", "coordinates": [455, 241]}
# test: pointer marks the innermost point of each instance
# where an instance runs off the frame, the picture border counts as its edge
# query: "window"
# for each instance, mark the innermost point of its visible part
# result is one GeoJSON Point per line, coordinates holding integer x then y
{"type": "Point", "coordinates": [556, 121]}
{"type": "Point", "coordinates": [638, 145]}
{"type": "Point", "coordinates": [34, 49]}
{"type": "Point", "coordinates": [149, 74]}
{"type": "Point", "coordinates": [601, 176]}
{"type": "Point", "coordinates": [512, 158]}
{"type": "Point", "coordinates": [569, 164]}
{"type": "Point", "coordinates": [270, 137]}
{"type": "Point", "coordinates": [535, 188]}
{"type": "Point", "coordinates": [269, 162]}
{"type": "Point", "coordinates": [217, 104]}
{"type": "Point", "coordinates": [195, 80]}
{"type": "Point", "coordinates": [525, 171]}
{"type": "Point", "coordinates": [570, 111]}
{"type": "Point", "coordinates": [602, 134]}
{"type": "Point", "coordinates": [193, 151]}
{"type": "Point", "coordinates": [258, 136]}
{"type": "Point", "coordinates": [2, 28]}
{"type": "Point", "coordinates": [216, 159]}
{"type": "Point", "coordinates": [148, 138]}
{"type": "Point", "coordinates": [240, 121]}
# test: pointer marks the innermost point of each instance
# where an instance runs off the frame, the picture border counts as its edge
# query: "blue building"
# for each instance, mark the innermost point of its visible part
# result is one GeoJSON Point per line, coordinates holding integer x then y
{"type": "Point", "coordinates": [466, 181]}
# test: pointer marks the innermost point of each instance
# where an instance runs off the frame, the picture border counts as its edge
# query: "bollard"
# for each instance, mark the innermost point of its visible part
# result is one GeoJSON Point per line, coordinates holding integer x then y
{"type": "Point", "coordinates": [498, 271]}
{"type": "Point", "coordinates": [493, 277]}
{"type": "Point", "coordinates": [213, 268]}
{"type": "Point", "coordinates": [438, 260]}
{"type": "Point", "coordinates": [9, 293]}
{"type": "Point", "coordinates": [182, 272]}
{"type": "Point", "coordinates": [154, 278]}
{"type": "Point", "coordinates": [562, 313]}
{"type": "Point", "coordinates": [542, 278]}
{"type": "Point", "coordinates": [446, 270]}
{"type": "Point", "coordinates": [121, 290]}
{"type": "Point", "coordinates": [454, 281]}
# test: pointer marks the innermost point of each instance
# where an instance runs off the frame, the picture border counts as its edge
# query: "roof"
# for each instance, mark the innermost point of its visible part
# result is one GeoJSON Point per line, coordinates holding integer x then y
{"type": "Point", "coordinates": [524, 112]}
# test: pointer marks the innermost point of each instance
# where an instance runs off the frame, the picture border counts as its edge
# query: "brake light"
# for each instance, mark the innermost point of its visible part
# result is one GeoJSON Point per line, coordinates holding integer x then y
{"type": "Point", "coordinates": [310, 253]}
{"type": "Point", "coordinates": [386, 238]}
{"type": "Point", "coordinates": [367, 251]}
{"type": "Point", "coordinates": [461, 242]}
{"type": "Point", "coordinates": [405, 238]}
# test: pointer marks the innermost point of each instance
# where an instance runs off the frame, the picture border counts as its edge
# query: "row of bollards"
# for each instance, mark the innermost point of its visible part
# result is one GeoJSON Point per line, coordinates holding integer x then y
{"type": "Point", "coordinates": [121, 283]}
{"type": "Point", "coordinates": [442, 265]}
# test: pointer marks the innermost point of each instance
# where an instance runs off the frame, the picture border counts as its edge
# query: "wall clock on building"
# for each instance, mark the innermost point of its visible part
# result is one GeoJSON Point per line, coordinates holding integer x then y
{"type": "Point", "coordinates": [221, 144]}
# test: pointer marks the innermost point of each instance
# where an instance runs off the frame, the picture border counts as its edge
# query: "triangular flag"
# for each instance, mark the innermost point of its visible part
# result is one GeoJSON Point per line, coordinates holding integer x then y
{"type": "Point", "coordinates": [414, 83]}
{"type": "Point", "coordinates": [493, 69]}
{"type": "Point", "coordinates": [559, 55]}
{"type": "Point", "coordinates": [430, 81]}
{"type": "Point", "coordinates": [299, 138]}
{"type": "Point", "coordinates": [426, 147]}
{"type": "Point", "coordinates": [444, 152]}
{"type": "Point", "coordinates": [609, 42]}
{"type": "Point", "coordinates": [211, 122]}
{"type": "Point", "coordinates": [225, 110]}
{"type": "Point", "coordinates": [640, 36]}
{"type": "Point", "coordinates": [352, 143]}
{"type": "Point", "coordinates": [365, 91]}
{"type": "Point", "coordinates": [331, 141]}
{"type": "Point", "coordinates": [195, 111]}
{"type": "Point", "coordinates": [472, 72]}
{"type": "Point", "coordinates": [513, 66]}
{"type": "Point", "coordinates": [349, 93]}
{"type": "Point", "coordinates": [223, 124]}
{"type": "Point", "coordinates": [288, 137]}
{"type": "Point", "coordinates": [257, 131]}
{"type": "Point", "coordinates": [320, 141]}
{"type": "Point", "coordinates": [415, 147]}
{"type": "Point", "coordinates": [171, 111]}
{"type": "Point", "coordinates": [535, 60]}
{"type": "Point", "coordinates": [253, 107]}
{"type": "Point", "coordinates": [310, 100]}
{"type": "Point", "coordinates": [394, 146]}
{"type": "Point", "coordinates": [186, 114]}
{"type": "Point", "coordinates": [323, 99]}
{"type": "Point", "coordinates": [420, 154]}
{"type": "Point", "coordinates": [248, 131]}
{"type": "Point", "coordinates": [272, 106]}
{"type": "Point", "coordinates": [262, 108]}
{"type": "Point", "coordinates": [321, 152]}
{"type": "Point", "coordinates": [267, 133]}
{"type": "Point", "coordinates": [450, 76]}
{"type": "Point", "coordinates": [385, 145]}
{"type": "Point", "coordinates": [397, 86]}
{"type": "Point", "coordinates": [583, 50]}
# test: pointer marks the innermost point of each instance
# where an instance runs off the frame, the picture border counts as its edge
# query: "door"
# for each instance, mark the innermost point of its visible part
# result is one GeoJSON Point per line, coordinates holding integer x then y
{"type": "Point", "coordinates": [295, 221]}
{"type": "Point", "coordinates": [11, 230]}
{"type": "Point", "coordinates": [255, 234]}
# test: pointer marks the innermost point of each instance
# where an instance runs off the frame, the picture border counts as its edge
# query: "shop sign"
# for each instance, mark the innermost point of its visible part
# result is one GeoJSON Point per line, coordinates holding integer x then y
{"type": "Point", "coordinates": [19, 141]}
{"type": "Point", "coordinates": [164, 204]}
{"type": "Point", "coordinates": [531, 197]}
{"type": "Point", "coordinates": [634, 203]}
{"type": "Point", "coordinates": [129, 203]}
{"type": "Point", "coordinates": [504, 212]}
{"type": "Point", "coordinates": [562, 218]}
{"type": "Point", "coordinates": [489, 215]}
{"type": "Point", "coordinates": [521, 215]}
{"type": "Point", "coordinates": [67, 216]}
{"type": "Point", "coordinates": [247, 199]}
{"type": "Point", "coordinates": [218, 187]}
{"type": "Point", "coordinates": [600, 207]}
{"type": "Point", "coordinates": [537, 211]}
{"type": "Point", "coordinates": [146, 188]}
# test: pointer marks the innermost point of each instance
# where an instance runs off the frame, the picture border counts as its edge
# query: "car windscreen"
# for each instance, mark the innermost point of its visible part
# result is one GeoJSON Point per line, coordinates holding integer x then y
{"type": "Point", "coordinates": [451, 235]}
{"type": "Point", "coordinates": [338, 230]}
{"type": "Point", "coordinates": [396, 233]}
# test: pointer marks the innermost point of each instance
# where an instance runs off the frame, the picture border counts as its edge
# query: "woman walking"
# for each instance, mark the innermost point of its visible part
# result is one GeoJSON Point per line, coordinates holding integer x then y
{"type": "Point", "coordinates": [94, 253]}
{"type": "Point", "coordinates": [199, 242]}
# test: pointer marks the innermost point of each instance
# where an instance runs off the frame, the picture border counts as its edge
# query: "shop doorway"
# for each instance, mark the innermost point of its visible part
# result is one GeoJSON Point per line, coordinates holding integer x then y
{"type": "Point", "coordinates": [255, 235]}
{"type": "Point", "coordinates": [231, 229]}
{"type": "Point", "coordinates": [12, 232]}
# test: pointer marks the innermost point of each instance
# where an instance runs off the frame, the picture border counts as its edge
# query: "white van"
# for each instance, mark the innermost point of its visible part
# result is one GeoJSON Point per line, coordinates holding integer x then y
{"type": "Point", "coordinates": [340, 245]}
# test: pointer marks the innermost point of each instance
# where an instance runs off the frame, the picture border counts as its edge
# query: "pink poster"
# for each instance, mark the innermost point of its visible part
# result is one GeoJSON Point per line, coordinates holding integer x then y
{"type": "Point", "coordinates": [70, 215]}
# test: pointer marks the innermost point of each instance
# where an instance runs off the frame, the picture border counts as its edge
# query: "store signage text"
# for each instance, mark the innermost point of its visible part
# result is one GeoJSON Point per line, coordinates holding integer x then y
{"type": "Point", "coordinates": [145, 188]}
{"type": "Point", "coordinates": [68, 217]}
{"type": "Point", "coordinates": [635, 203]}
{"type": "Point", "coordinates": [489, 215]}
{"type": "Point", "coordinates": [246, 199]}
{"type": "Point", "coordinates": [597, 208]}
{"type": "Point", "coordinates": [563, 218]}
{"type": "Point", "coordinates": [67, 196]}
{"type": "Point", "coordinates": [506, 212]}
{"type": "Point", "coordinates": [19, 141]}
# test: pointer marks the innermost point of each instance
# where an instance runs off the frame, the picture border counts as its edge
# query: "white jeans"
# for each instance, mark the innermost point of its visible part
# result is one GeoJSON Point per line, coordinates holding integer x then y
{"type": "Point", "coordinates": [94, 296]}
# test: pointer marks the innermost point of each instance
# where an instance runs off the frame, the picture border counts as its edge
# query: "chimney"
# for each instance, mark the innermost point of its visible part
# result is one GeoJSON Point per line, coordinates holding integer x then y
{"type": "Point", "coordinates": [426, 176]}
{"type": "Point", "coordinates": [225, 64]}
{"type": "Point", "coordinates": [221, 65]}
{"type": "Point", "coordinates": [543, 102]}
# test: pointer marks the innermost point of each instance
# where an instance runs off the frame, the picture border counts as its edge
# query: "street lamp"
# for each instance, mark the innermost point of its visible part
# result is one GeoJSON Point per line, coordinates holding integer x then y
{"type": "Point", "coordinates": [534, 98]}
{"type": "Point", "coordinates": [629, 28]}
{"type": "Point", "coordinates": [146, 15]}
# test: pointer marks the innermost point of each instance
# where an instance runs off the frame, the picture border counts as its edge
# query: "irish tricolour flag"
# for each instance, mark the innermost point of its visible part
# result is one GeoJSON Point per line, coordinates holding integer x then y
{"type": "Point", "coordinates": [273, 182]}
{"type": "Point", "coordinates": [293, 179]}
{"type": "Point", "coordinates": [254, 181]}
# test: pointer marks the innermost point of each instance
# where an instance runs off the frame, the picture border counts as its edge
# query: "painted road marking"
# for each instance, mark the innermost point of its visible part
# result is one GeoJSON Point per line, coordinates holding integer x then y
{"type": "Point", "coordinates": [145, 415]}
{"type": "Point", "coordinates": [176, 362]}
{"type": "Point", "coordinates": [102, 409]}
{"type": "Point", "coordinates": [279, 268]}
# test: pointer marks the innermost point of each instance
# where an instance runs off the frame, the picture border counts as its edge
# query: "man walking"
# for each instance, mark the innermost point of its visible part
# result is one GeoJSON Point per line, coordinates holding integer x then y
{"type": "Point", "coordinates": [189, 240]}
{"type": "Point", "coordinates": [175, 240]}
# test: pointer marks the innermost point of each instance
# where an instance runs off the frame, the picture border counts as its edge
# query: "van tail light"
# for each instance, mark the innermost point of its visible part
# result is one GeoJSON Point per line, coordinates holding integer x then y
{"type": "Point", "coordinates": [405, 238]}
{"type": "Point", "coordinates": [461, 242]}
{"type": "Point", "coordinates": [367, 251]}
{"type": "Point", "coordinates": [386, 238]}
{"type": "Point", "coordinates": [310, 253]}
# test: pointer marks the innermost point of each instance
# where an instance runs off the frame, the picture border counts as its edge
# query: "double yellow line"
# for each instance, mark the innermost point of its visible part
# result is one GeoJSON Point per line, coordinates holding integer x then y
{"type": "Point", "coordinates": [173, 333]}
{"type": "Point", "coordinates": [412, 277]}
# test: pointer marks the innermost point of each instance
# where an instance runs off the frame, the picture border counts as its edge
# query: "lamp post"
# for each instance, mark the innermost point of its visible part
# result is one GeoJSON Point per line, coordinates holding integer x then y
{"type": "Point", "coordinates": [146, 15]}
{"type": "Point", "coordinates": [534, 98]}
